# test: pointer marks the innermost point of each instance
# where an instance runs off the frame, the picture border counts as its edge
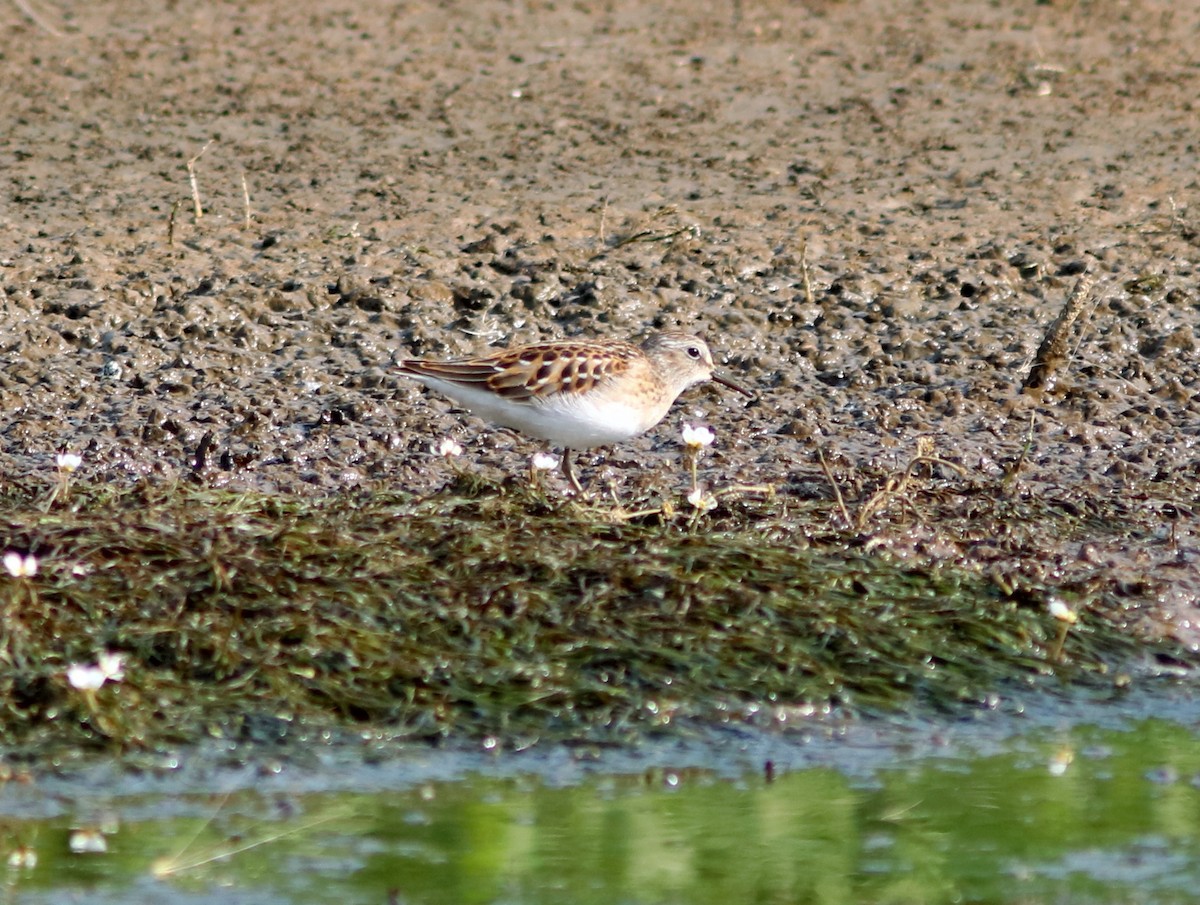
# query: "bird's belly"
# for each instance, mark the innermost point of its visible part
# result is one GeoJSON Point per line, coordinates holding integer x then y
{"type": "Point", "coordinates": [573, 420]}
{"type": "Point", "coordinates": [581, 423]}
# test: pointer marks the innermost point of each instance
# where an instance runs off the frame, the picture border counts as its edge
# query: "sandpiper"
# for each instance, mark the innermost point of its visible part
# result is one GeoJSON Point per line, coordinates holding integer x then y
{"type": "Point", "coordinates": [575, 393]}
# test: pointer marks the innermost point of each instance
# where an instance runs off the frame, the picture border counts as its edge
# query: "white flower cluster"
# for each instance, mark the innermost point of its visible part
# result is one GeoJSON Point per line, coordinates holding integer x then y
{"type": "Point", "coordinates": [86, 677]}
{"type": "Point", "coordinates": [20, 565]}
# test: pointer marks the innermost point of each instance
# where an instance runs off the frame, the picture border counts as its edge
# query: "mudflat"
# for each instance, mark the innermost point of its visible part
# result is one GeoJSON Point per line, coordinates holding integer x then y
{"type": "Point", "coordinates": [220, 222]}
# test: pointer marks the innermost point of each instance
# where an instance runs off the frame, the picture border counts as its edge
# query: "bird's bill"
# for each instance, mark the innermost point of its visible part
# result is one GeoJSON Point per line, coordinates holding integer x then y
{"type": "Point", "coordinates": [726, 382]}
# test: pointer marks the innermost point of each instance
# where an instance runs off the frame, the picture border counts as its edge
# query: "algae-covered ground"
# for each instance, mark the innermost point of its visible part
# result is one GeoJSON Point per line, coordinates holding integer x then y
{"type": "Point", "coordinates": [504, 613]}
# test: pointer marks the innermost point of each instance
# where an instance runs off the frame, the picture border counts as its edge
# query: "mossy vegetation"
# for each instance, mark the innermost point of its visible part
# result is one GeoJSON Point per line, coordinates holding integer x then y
{"type": "Point", "coordinates": [493, 611]}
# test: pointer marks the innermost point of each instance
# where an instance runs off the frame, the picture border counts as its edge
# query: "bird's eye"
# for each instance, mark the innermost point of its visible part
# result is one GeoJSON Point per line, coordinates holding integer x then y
{"type": "Point", "coordinates": [694, 353]}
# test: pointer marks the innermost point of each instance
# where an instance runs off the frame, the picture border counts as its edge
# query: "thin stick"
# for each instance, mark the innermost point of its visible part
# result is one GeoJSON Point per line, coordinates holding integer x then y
{"type": "Point", "coordinates": [837, 491]}
{"type": "Point", "coordinates": [1056, 652]}
{"type": "Point", "coordinates": [191, 168]}
{"type": "Point", "coordinates": [931, 460]}
{"type": "Point", "coordinates": [171, 222]}
{"type": "Point", "coordinates": [897, 485]}
{"type": "Point", "coordinates": [246, 199]}
{"type": "Point", "coordinates": [1012, 473]}
{"type": "Point", "coordinates": [808, 295]}
{"type": "Point", "coordinates": [623, 516]}
{"type": "Point", "coordinates": [766, 490]}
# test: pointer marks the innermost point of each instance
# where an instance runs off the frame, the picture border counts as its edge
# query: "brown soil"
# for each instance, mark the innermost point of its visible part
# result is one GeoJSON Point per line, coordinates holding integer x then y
{"type": "Point", "coordinates": [873, 210]}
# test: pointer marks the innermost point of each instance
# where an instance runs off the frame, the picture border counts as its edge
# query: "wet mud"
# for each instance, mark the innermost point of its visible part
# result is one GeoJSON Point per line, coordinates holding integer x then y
{"type": "Point", "coordinates": [219, 223]}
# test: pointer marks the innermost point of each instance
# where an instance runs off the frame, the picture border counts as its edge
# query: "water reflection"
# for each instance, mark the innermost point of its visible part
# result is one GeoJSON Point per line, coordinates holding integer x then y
{"type": "Point", "coordinates": [1092, 815]}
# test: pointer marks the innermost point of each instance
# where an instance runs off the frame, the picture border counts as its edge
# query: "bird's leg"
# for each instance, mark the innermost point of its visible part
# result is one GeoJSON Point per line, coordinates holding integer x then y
{"type": "Point", "coordinates": [569, 473]}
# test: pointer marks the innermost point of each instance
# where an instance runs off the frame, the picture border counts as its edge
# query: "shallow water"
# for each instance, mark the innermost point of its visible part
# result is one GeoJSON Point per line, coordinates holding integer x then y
{"type": "Point", "coordinates": [987, 811]}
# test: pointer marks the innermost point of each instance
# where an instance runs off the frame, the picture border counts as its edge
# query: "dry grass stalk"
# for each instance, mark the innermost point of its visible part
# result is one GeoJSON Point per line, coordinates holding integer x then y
{"type": "Point", "coordinates": [246, 200]}
{"type": "Point", "coordinates": [191, 168]}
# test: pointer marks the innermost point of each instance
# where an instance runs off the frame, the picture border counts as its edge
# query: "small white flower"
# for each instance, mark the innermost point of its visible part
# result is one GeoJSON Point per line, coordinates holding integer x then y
{"type": "Point", "coordinates": [1062, 612]}
{"type": "Point", "coordinates": [68, 462]}
{"type": "Point", "coordinates": [22, 858]}
{"type": "Point", "coordinates": [449, 448]}
{"type": "Point", "coordinates": [1061, 761]}
{"type": "Point", "coordinates": [112, 665]}
{"type": "Point", "coordinates": [19, 566]}
{"type": "Point", "coordinates": [544, 462]}
{"type": "Point", "coordinates": [87, 842]}
{"type": "Point", "coordinates": [701, 499]}
{"type": "Point", "coordinates": [84, 677]}
{"type": "Point", "coordinates": [697, 436]}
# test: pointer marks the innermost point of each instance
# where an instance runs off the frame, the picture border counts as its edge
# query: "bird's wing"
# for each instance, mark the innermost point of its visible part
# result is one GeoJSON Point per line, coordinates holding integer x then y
{"type": "Point", "coordinates": [531, 372]}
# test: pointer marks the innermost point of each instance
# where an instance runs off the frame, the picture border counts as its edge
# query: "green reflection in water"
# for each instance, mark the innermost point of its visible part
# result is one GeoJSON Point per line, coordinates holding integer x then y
{"type": "Point", "coordinates": [1086, 816]}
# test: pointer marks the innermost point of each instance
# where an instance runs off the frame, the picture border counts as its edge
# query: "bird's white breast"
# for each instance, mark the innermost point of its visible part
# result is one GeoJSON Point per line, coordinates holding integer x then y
{"type": "Point", "coordinates": [574, 420]}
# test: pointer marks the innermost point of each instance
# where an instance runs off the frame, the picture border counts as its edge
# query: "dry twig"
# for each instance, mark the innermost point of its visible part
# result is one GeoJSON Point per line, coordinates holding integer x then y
{"type": "Point", "coordinates": [191, 168]}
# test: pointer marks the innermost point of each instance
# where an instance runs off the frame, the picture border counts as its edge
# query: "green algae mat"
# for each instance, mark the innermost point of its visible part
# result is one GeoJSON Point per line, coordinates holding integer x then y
{"type": "Point", "coordinates": [148, 617]}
